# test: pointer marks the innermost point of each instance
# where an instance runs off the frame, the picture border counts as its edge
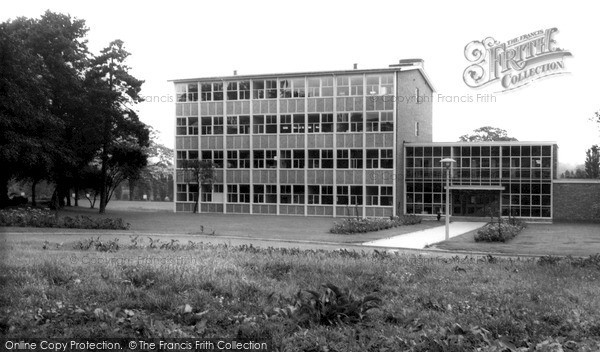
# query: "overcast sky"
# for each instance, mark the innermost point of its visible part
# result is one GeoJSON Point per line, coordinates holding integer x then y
{"type": "Point", "coordinates": [184, 39]}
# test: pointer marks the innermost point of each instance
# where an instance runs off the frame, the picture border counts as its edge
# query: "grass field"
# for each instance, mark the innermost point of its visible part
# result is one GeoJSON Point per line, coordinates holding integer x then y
{"type": "Point", "coordinates": [153, 218]}
{"type": "Point", "coordinates": [577, 239]}
{"type": "Point", "coordinates": [427, 304]}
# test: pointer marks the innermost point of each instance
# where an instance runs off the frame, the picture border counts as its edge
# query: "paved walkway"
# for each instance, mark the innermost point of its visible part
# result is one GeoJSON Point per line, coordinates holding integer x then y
{"type": "Point", "coordinates": [420, 239]}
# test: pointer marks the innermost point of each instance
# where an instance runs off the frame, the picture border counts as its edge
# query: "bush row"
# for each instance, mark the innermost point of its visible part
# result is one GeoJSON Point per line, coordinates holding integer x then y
{"type": "Point", "coordinates": [357, 225]}
{"type": "Point", "coordinates": [30, 217]}
{"type": "Point", "coordinates": [500, 231]}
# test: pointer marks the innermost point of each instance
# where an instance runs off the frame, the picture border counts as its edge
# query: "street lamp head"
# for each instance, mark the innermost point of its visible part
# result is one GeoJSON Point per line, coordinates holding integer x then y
{"type": "Point", "coordinates": [447, 162]}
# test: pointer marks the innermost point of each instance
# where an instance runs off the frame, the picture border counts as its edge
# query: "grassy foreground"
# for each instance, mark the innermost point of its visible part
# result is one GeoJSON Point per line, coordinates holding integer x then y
{"type": "Point", "coordinates": [207, 291]}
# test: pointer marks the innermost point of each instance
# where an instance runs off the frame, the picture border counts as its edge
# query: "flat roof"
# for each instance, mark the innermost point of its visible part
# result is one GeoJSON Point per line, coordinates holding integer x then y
{"type": "Point", "coordinates": [311, 73]}
{"type": "Point", "coordinates": [487, 143]}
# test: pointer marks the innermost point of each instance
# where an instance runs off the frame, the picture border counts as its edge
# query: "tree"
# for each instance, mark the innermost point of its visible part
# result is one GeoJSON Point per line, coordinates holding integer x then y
{"type": "Point", "coordinates": [198, 173]}
{"type": "Point", "coordinates": [487, 134]}
{"type": "Point", "coordinates": [27, 129]}
{"type": "Point", "coordinates": [113, 92]}
{"type": "Point", "coordinates": [592, 162]}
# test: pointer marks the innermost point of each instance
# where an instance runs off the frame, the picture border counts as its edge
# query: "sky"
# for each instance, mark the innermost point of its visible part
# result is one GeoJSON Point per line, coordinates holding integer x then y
{"type": "Point", "coordinates": [188, 39]}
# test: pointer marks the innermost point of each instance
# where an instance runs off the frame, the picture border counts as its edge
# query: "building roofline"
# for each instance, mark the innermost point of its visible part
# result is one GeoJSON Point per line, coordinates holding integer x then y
{"type": "Point", "coordinates": [309, 73]}
{"type": "Point", "coordinates": [492, 143]}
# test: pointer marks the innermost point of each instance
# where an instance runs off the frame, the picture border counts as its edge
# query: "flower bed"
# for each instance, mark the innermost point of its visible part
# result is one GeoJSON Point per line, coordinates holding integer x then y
{"type": "Point", "coordinates": [500, 231]}
{"type": "Point", "coordinates": [357, 225]}
{"type": "Point", "coordinates": [31, 217]}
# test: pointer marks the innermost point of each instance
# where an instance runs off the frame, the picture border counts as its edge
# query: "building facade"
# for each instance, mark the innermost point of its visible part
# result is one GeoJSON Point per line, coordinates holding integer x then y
{"type": "Point", "coordinates": [319, 143]}
{"type": "Point", "coordinates": [345, 143]}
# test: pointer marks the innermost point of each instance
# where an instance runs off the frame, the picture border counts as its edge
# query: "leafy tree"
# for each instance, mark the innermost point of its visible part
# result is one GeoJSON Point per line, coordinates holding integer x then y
{"type": "Point", "coordinates": [198, 173]}
{"type": "Point", "coordinates": [487, 134]}
{"type": "Point", "coordinates": [27, 129]}
{"type": "Point", "coordinates": [114, 91]}
{"type": "Point", "coordinates": [592, 162]}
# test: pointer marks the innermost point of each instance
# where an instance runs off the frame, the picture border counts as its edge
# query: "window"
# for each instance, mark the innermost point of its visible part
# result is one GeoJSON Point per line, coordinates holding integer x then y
{"type": "Point", "coordinates": [285, 196]}
{"type": "Point", "coordinates": [326, 194]}
{"type": "Point", "coordinates": [259, 194]}
{"type": "Point", "coordinates": [298, 126]}
{"type": "Point", "coordinates": [372, 158]}
{"type": "Point", "coordinates": [232, 125]}
{"type": "Point", "coordinates": [193, 192]}
{"type": "Point", "coordinates": [187, 126]}
{"type": "Point", "coordinates": [271, 194]}
{"type": "Point", "coordinates": [343, 86]}
{"type": "Point", "coordinates": [258, 124]}
{"type": "Point", "coordinates": [313, 158]}
{"type": "Point", "coordinates": [320, 87]}
{"type": "Point", "coordinates": [387, 196]}
{"type": "Point", "coordinates": [386, 121]}
{"type": "Point", "coordinates": [181, 129]}
{"type": "Point", "coordinates": [327, 159]}
{"type": "Point", "coordinates": [314, 88]}
{"type": "Point", "coordinates": [217, 91]}
{"type": "Point", "coordinates": [244, 195]}
{"type": "Point", "coordinates": [298, 162]}
{"type": "Point", "coordinates": [313, 123]}
{"type": "Point", "coordinates": [286, 159]}
{"type": "Point", "coordinates": [356, 122]}
{"type": "Point", "coordinates": [244, 162]}
{"type": "Point", "coordinates": [206, 92]}
{"type": "Point", "coordinates": [356, 196]}
{"type": "Point", "coordinates": [285, 124]}
{"type": "Point", "coordinates": [258, 89]}
{"type": "Point", "coordinates": [342, 122]}
{"type": "Point", "coordinates": [206, 194]}
{"type": "Point", "coordinates": [186, 92]}
{"type": "Point", "coordinates": [181, 192]}
{"type": "Point", "coordinates": [259, 159]}
{"type": "Point", "coordinates": [232, 91]}
{"type": "Point", "coordinates": [372, 121]}
{"type": "Point", "coordinates": [218, 158]}
{"type": "Point", "coordinates": [271, 159]}
{"type": "Point", "coordinates": [380, 84]}
{"type": "Point", "coordinates": [372, 196]}
{"type": "Point", "coordinates": [356, 158]}
{"type": "Point", "coordinates": [285, 88]}
{"type": "Point", "coordinates": [342, 195]}
{"type": "Point", "coordinates": [417, 128]}
{"type": "Point", "coordinates": [232, 159]}
{"type": "Point", "coordinates": [313, 195]}
{"type": "Point", "coordinates": [298, 88]}
{"type": "Point", "coordinates": [298, 195]}
{"type": "Point", "coordinates": [271, 124]}
{"type": "Point", "coordinates": [271, 90]}
{"type": "Point", "coordinates": [387, 158]}
{"type": "Point", "coordinates": [206, 127]}
{"type": "Point", "coordinates": [356, 85]}
{"type": "Point", "coordinates": [217, 124]}
{"type": "Point", "coordinates": [326, 122]}
{"type": "Point", "coordinates": [244, 125]}
{"type": "Point", "coordinates": [232, 193]}
{"type": "Point", "coordinates": [342, 158]}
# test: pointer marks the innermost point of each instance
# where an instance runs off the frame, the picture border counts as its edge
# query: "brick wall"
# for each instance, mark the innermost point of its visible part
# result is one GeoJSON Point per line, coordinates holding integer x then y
{"type": "Point", "coordinates": [573, 200]}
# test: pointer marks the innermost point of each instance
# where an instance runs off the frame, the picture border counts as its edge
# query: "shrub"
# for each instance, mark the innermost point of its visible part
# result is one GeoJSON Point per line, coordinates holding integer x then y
{"type": "Point", "coordinates": [357, 225]}
{"type": "Point", "coordinates": [31, 217]}
{"type": "Point", "coordinates": [500, 231]}
{"type": "Point", "coordinates": [334, 306]}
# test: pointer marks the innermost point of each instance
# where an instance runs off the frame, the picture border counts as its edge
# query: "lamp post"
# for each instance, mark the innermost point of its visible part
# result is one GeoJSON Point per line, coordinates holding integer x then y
{"type": "Point", "coordinates": [447, 162]}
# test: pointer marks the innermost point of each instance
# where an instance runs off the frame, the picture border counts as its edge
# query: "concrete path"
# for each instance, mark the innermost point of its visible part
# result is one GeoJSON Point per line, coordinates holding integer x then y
{"type": "Point", "coordinates": [419, 239]}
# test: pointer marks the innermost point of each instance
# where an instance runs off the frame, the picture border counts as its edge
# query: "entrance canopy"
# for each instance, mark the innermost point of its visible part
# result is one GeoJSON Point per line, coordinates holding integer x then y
{"type": "Point", "coordinates": [477, 188]}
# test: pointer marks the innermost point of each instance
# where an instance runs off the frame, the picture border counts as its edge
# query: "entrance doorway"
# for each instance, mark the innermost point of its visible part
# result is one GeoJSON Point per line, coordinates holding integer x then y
{"type": "Point", "coordinates": [478, 203]}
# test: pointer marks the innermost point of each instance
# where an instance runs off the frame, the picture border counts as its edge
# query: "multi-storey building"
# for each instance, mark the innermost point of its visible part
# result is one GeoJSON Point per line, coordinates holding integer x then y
{"type": "Point", "coordinates": [347, 143]}
{"type": "Point", "coordinates": [318, 143]}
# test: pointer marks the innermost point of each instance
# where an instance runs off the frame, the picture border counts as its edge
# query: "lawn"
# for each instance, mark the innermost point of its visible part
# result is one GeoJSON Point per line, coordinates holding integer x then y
{"type": "Point", "coordinates": [207, 291]}
{"type": "Point", "coordinates": [576, 239]}
{"type": "Point", "coordinates": [152, 218]}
